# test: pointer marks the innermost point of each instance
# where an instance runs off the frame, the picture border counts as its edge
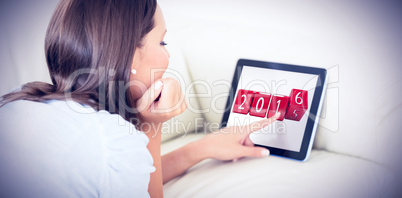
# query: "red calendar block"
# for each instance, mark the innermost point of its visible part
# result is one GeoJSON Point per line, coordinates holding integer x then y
{"type": "Point", "coordinates": [279, 103]}
{"type": "Point", "coordinates": [260, 105]}
{"type": "Point", "coordinates": [243, 101]}
{"type": "Point", "coordinates": [298, 104]}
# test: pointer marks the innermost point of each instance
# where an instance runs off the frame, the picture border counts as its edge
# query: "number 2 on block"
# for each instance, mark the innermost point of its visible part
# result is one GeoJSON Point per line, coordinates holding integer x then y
{"type": "Point", "coordinates": [243, 101]}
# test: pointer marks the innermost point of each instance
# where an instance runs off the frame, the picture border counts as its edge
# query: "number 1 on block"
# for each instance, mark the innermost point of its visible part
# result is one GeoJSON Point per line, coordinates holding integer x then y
{"type": "Point", "coordinates": [279, 103]}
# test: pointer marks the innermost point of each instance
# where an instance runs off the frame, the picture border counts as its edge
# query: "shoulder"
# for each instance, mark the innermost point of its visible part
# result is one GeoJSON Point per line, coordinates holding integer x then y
{"type": "Point", "coordinates": [73, 146]}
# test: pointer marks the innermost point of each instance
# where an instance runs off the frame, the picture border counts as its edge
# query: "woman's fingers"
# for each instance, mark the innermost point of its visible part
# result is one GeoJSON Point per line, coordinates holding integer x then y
{"type": "Point", "coordinates": [251, 151]}
{"type": "Point", "coordinates": [254, 151]}
{"type": "Point", "coordinates": [162, 101]}
{"type": "Point", "coordinates": [247, 141]}
{"type": "Point", "coordinates": [172, 98]}
{"type": "Point", "coordinates": [149, 97]}
{"type": "Point", "coordinates": [255, 126]}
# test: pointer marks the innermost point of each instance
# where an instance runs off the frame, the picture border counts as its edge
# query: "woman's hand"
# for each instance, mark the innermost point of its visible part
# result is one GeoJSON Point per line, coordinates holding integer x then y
{"type": "Point", "coordinates": [232, 143]}
{"type": "Point", "coordinates": [162, 101]}
{"type": "Point", "coordinates": [229, 143]}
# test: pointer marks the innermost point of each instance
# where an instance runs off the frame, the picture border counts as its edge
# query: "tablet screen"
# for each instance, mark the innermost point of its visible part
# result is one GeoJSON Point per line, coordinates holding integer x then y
{"type": "Point", "coordinates": [261, 92]}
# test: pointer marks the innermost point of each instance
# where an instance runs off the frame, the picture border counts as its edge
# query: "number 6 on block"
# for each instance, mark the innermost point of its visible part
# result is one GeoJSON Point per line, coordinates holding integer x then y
{"type": "Point", "coordinates": [243, 101]}
{"type": "Point", "coordinates": [298, 104]}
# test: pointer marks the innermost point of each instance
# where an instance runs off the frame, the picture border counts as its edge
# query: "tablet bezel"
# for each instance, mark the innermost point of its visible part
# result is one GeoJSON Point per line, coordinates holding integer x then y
{"type": "Point", "coordinates": [315, 109]}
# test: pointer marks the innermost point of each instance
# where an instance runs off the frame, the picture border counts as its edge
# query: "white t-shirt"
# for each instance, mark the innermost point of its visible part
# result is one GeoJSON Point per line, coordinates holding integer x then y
{"type": "Point", "coordinates": [64, 149]}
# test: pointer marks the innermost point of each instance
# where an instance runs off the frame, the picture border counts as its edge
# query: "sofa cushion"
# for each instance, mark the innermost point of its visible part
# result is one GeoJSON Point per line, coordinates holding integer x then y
{"type": "Point", "coordinates": [325, 174]}
{"type": "Point", "coordinates": [189, 121]}
{"type": "Point", "coordinates": [22, 56]}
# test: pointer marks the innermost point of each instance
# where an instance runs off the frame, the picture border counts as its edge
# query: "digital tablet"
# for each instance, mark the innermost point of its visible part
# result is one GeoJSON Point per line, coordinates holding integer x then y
{"type": "Point", "coordinates": [260, 89]}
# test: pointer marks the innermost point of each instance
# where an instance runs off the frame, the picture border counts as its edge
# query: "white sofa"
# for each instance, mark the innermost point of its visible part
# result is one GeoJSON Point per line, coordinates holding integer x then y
{"type": "Point", "coordinates": [356, 150]}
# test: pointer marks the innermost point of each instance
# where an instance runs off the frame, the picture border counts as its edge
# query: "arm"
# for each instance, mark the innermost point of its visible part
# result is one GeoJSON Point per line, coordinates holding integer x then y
{"type": "Point", "coordinates": [177, 162]}
{"type": "Point", "coordinates": [226, 144]}
{"type": "Point", "coordinates": [152, 113]}
{"type": "Point", "coordinates": [155, 187]}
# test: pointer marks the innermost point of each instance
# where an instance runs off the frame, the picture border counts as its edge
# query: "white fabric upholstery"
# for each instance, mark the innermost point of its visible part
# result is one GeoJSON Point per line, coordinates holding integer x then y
{"type": "Point", "coordinates": [325, 174]}
{"type": "Point", "coordinates": [189, 120]}
{"type": "Point", "coordinates": [23, 28]}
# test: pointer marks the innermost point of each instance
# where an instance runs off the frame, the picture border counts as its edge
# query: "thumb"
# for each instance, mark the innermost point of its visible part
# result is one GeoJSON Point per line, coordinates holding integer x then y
{"type": "Point", "coordinates": [149, 97]}
{"type": "Point", "coordinates": [252, 151]}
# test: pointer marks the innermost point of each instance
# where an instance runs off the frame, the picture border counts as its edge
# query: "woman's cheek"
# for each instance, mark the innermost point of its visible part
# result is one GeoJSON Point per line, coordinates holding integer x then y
{"type": "Point", "coordinates": [163, 61]}
{"type": "Point", "coordinates": [163, 58]}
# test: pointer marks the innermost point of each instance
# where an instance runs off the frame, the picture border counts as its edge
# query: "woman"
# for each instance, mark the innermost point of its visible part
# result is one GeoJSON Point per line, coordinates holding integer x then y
{"type": "Point", "coordinates": [96, 130]}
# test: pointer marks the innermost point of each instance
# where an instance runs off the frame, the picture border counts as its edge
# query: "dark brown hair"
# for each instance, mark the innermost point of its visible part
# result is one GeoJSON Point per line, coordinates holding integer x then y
{"type": "Point", "coordinates": [89, 49]}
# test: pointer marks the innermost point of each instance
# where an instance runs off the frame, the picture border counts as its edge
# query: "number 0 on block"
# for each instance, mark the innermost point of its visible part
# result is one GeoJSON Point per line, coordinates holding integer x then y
{"type": "Point", "coordinates": [260, 105]}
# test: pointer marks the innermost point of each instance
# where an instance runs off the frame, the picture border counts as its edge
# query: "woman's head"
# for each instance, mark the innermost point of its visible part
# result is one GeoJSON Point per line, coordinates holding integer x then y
{"type": "Point", "coordinates": [91, 47]}
{"type": "Point", "coordinates": [151, 59]}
